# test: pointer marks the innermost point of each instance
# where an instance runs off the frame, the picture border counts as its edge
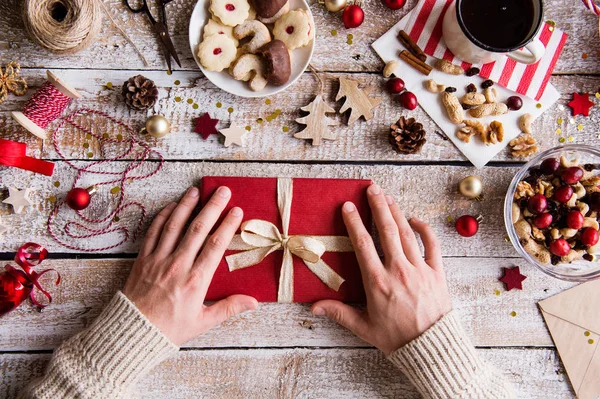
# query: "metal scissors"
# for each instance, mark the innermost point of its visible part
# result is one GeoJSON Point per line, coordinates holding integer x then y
{"type": "Point", "coordinates": [159, 27]}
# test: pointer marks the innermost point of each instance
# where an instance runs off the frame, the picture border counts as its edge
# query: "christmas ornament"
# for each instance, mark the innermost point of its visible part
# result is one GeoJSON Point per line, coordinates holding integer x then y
{"type": "Point", "coordinates": [581, 104]}
{"type": "Point", "coordinates": [206, 126]}
{"type": "Point", "coordinates": [353, 16]}
{"type": "Point", "coordinates": [335, 5]}
{"type": "Point", "coordinates": [16, 285]}
{"type": "Point", "coordinates": [407, 136]}
{"type": "Point", "coordinates": [156, 126]}
{"type": "Point", "coordinates": [13, 153]}
{"type": "Point", "coordinates": [10, 81]}
{"type": "Point", "coordinates": [316, 122]}
{"type": "Point", "coordinates": [234, 135]}
{"type": "Point", "coordinates": [19, 199]}
{"type": "Point", "coordinates": [79, 198]}
{"type": "Point", "coordinates": [467, 225]}
{"type": "Point", "coordinates": [357, 101]}
{"type": "Point", "coordinates": [512, 278]}
{"type": "Point", "coordinates": [408, 100]}
{"type": "Point", "coordinates": [394, 4]}
{"type": "Point", "coordinates": [140, 93]}
{"type": "Point", "coordinates": [470, 187]}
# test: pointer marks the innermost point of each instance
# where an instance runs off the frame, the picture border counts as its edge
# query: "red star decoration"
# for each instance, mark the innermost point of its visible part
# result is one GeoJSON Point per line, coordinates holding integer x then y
{"type": "Point", "coordinates": [581, 104]}
{"type": "Point", "coordinates": [206, 126]}
{"type": "Point", "coordinates": [512, 278]}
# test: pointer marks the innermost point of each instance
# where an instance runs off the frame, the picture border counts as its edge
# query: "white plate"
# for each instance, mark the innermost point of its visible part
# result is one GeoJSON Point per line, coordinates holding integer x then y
{"type": "Point", "coordinates": [300, 57]}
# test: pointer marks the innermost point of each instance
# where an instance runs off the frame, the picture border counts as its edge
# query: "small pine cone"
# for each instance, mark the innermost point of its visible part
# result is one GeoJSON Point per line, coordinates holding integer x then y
{"type": "Point", "coordinates": [140, 93]}
{"type": "Point", "coordinates": [407, 136]}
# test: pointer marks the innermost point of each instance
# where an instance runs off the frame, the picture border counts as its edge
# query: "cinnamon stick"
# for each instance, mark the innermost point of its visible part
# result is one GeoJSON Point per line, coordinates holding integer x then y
{"type": "Point", "coordinates": [414, 62]}
{"type": "Point", "coordinates": [411, 46]}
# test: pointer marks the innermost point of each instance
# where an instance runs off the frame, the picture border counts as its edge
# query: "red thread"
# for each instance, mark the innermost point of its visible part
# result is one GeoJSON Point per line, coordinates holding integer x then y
{"type": "Point", "coordinates": [46, 105]}
{"type": "Point", "coordinates": [106, 225]}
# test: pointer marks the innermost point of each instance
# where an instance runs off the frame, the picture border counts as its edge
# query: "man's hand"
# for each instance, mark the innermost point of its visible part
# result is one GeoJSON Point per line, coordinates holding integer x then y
{"type": "Point", "coordinates": [406, 294]}
{"type": "Point", "coordinates": [172, 272]}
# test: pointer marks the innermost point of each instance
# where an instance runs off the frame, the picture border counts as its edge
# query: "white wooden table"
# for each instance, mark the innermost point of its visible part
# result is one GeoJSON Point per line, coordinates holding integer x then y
{"type": "Point", "coordinates": [282, 351]}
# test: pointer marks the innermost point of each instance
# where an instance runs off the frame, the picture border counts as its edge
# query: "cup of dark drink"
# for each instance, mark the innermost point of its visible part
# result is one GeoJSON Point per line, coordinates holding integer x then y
{"type": "Point", "coordinates": [479, 31]}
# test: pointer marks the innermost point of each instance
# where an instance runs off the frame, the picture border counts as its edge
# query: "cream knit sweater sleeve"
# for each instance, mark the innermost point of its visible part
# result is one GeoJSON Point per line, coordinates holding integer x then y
{"type": "Point", "coordinates": [105, 360]}
{"type": "Point", "coordinates": [443, 364]}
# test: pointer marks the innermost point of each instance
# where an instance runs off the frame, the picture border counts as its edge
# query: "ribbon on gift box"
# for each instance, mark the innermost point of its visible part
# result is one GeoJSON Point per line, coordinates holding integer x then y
{"type": "Point", "coordinates": [260, 238]}
{"type": "Point", "coordinates": [13, 153]}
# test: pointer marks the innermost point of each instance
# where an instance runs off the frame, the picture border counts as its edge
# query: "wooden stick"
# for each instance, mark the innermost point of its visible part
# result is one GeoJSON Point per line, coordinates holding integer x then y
{"type": "Point", "coordinates": [415, 62]}
{"type": "Point", "coordinates": [411, 46]}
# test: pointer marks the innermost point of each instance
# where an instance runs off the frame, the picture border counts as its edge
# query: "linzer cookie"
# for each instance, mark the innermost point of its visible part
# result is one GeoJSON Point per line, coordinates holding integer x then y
{"type": "Point", "coordinates": [217, 52]}
{"type": "Point", "coordinates": [230, 12]}
{"type": "Point", "coordinates": [215, 28]}
{"type": "Point", "coordinates": [294, 29]}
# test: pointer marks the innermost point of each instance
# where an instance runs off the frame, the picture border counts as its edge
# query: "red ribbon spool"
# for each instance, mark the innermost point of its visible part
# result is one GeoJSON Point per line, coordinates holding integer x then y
{"type": "Point", "coordinates": [13, 153]}
{"type": "Point", "coordinates": [16, 285]}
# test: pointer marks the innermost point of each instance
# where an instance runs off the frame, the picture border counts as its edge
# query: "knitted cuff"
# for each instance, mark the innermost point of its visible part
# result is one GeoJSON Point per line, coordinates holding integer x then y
{"type": "Point", "coordinates": [442, 363]}
{"type": "Point", "coordinates": [107, 359]}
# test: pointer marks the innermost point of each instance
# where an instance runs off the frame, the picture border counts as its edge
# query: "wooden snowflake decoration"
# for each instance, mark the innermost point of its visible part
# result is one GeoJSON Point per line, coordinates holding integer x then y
{"type": "Point", "coordinates": [317, 123]}
{"type": "Point", "coordinates": [357, 100]}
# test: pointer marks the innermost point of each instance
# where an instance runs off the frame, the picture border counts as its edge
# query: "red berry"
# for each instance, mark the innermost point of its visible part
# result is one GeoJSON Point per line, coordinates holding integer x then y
{"type": "Point", "coordinates": [229, 7]}
{"type": "Point", "coordinates": [514, 103]}
{"type": "Point", "coordinates": [572, 175]}
{"type": "Point", "coordinates": [395, 85]}
{"type": "Point", "coordinates": [560, 247]}
{"type": "Point", "coordinates": [394, 4]}
{"type": "Point", "coordinates": [589, 237]}
{"type": "Point", "coordinates": [537, 204]}
{"type": "Point", "coordinates": [563, 194]}
{"type": "Point", "coordinates": [467, 226]}
{"type": "Point", "coordinates": [408, 100]}
{"type": "Point", "coordinates": [574, 220]}
{"type": "Point", "coordinates": [353, 16]}
{"type": "Point", "coordinates": [550, 166]}
{"type": "Point", "coordinates": [542, 221]}
{"type": "Point", "coordinates": [594, 202]}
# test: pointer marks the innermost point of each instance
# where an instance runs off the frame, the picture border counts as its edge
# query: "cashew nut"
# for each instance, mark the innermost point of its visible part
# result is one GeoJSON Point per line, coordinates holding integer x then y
{"type": "Point", "coordinates": [594, 249]}
{"type": "Point", "coordinates": [568, 233]}
{"type": "Point", "coordinates": [433, 87]}
{"type": "Point", "coordinates": [591, 222]}
{"type": "Point", "coordinates": [572, 256]}
{"type": "Point", "coordinates": [490, 94]}
{"type": "Point", "coordinates": [578, 190]}
{"type": "Point", "coordinates": [583, 207]}
{"type": "Point", "coordinates": [565, 163]}
{"type": "Point", "coordinates": [516, 213]}
{"type": "Point", "coordinates": [389, 69]}
{"type": "Point", "coordinates": [525, 123]}
{"type": "Point", "coordinates": [555, 234]}
{"type": "Point", "coordinates": [572, 202]}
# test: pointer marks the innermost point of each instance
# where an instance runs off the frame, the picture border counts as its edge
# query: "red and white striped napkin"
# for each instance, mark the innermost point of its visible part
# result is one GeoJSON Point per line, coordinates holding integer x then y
{"type": "Point", "coordinates": [424, 26]}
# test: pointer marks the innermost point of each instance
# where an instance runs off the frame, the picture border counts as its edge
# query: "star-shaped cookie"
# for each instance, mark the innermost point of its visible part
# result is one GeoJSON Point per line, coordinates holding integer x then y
{"type": "Point", "coordinates": [513, 278]}
{"type": "Point", "coordinates": [234, 135]}
{"type": "Point", "coordinates": [581, 104]}
{"type": "Point", "coordinates": [206, 126]}
{"type": "Point", "coordinates": [19, 199]}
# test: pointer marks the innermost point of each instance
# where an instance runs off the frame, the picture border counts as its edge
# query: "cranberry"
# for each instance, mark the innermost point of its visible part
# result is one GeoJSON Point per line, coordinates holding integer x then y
{"type": "Point", "coordinates": [289, 30]}
{"type": "Point", "coordinates": [594, 202]}
{"type": "Point", "coordinates": [229, 7]}
{"type": "Point", "coordinates": [560, 247]}
{"type": "Point", "coordinates": [408, 100]}
{"type": "Point", "coordinates": [589, 237]}
{"type": "Point", "coordinates": [514, 103]}
{"type": "Point", "coordinates": [563, 194]}
{"type": "Point", "coordinates": [574, 220]}
{"type": "Point", "coordinates": [537, 204]}
{"type": "Point", "coordinates": [217, 51]}
{"type": "Point", "coordinates": [572, 175]}
{"type": "Point", "coordinates": [395, 85]}
{"type": "Point", "coordinates": [542, 220]}
{"type": "Point", "coordinates": [550, 166]}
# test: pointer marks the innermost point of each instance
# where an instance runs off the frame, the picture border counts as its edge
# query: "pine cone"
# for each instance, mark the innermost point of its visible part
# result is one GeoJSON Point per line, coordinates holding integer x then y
{"type": "Point", "coordinates": [140, 93]}
{"type": "Point", "coordinates": [407, 136]}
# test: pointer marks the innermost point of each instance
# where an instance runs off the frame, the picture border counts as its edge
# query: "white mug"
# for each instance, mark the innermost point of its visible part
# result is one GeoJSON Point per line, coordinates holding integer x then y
{"type": "Point", "coordinates": [467, 48]}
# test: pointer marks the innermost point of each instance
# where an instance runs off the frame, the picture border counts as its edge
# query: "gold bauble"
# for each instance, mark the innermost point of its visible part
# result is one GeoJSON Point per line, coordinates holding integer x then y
{"type": "Point", "coordinates": [335, 5]}
{"type": "Point", "coordinates": [470, 187]}
{"type": "Point", "coordinates": [156, 126]}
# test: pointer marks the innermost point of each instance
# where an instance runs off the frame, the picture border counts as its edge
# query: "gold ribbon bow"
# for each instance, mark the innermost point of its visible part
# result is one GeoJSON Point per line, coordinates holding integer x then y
{"type": "Point", "coordinates": [10, 81]}
{"type": "Point", "coordinates": [259, 238]}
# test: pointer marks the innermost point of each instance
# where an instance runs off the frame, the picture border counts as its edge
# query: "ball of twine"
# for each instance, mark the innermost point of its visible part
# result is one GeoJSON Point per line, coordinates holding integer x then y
{"type": "Point", "coordinates": [62, 26]}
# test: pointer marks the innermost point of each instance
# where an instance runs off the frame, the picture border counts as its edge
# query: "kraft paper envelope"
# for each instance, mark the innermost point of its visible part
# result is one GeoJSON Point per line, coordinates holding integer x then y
{"type": "Point", "coordinates": [573, 318]}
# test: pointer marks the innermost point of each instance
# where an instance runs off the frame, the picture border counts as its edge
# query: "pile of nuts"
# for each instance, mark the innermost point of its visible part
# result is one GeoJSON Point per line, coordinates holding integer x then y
{"type": "Point", "coordinates": [555, 211]}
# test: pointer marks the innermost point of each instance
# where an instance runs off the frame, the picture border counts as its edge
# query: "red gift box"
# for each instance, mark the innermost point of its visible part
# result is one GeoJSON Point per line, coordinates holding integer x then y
{"type": "Point", "coordinates": [316, 212]}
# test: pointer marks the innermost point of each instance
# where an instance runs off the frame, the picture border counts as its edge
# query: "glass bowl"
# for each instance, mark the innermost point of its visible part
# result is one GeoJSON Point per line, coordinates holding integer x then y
{"type": "Point", "coordinates": [581, 270]}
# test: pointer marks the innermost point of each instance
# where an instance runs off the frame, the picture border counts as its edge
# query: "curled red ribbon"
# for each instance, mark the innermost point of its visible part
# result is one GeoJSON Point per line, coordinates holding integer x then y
{"type": "Point", "coordinates": [13, 153]}
{"type": "Point", "coordinates": [28, 256]}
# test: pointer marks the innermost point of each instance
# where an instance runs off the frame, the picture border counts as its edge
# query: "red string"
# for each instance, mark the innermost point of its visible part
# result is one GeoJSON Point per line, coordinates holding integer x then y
{"type": "Point", "coordinates": [104, 225]}
{"type": "Point", "coordinates": [46, 105]}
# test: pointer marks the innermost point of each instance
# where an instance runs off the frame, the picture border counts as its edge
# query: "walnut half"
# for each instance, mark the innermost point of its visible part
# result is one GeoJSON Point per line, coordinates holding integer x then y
{"type": "Point", "coordinates": [495, 133]}
{"type": "Point", "coordinates": [524, 190]}
{"type": "Point", "coordinates": [523, 146]}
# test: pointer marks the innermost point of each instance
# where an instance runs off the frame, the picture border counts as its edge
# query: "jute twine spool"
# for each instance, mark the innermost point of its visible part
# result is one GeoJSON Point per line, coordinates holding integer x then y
{"type": "Point", "coordinates": [62, 26]}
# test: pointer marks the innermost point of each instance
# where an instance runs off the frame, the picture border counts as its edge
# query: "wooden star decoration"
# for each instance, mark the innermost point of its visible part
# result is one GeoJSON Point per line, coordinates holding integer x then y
{"type": "Point", "coordinates": [513, 278]}
{"type": "Point", "coordinates": [19, 199]}
{"type": "Point", "coordinates": [357, 100]}
{"type": "Point", "coordinates": [206, 126]}
{"type": "Point", "coordinates": [234, 135]}
{"type": "Point", "coordinates": [581, 104]}
{"type": "Point", "coordinates": [316, 122]}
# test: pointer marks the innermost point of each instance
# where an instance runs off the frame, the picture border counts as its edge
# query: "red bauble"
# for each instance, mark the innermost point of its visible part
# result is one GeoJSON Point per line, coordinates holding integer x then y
{"type": "Point", "coordinates": [14, 289]}
{"type": "Point", "coordinates": [79, 198]}
{"type": "Point", "coordinates": [467, 226]}
{"type": "Point", "coordinates": [394, 4]}
{"type": "Point", "coordinates": [408, 100]}
{"type": "Point", "coordinates": [395, 85]}
{"type": "Point", "coordinates": [353, 16]}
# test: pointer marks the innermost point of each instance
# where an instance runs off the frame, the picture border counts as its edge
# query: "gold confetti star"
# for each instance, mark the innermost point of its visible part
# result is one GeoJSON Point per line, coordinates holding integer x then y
{"type": "Point", "coordinates": [230, 110]}
{"type": "Point", "coordinates": [109, 85]}
{"type": "Point", "coordinates": [190, 101]}
{"type": "Point", "coordinates": [571, 139]}
{"type": "Point", "coordinates": [285, 129]}
{"type": "Point", "coordinates": [497, 292]}
{"type": "Point", "coordinates": [538, 105]}
{"type": "Point", "coordinates": [56, 184]}
{"type": "Point", "coordinates": [267, 101]}
{"type": "Point", "coordinates": [558, 131]}
{"type": "Point", "coordinates": [449, 219]}
{"type": "Point", "coordinates": [591, 341]}
{"type": "Point", "coordinates": [561, 140]}
{"type": "Point", "coordinates": [178, 99]}
{"type": "Point", "coordinates": [234, 135]}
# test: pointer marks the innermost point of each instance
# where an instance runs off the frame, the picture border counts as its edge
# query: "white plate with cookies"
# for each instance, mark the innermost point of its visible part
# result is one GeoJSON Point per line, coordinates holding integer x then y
{"type": "Point", "coordinates": [252, 48]}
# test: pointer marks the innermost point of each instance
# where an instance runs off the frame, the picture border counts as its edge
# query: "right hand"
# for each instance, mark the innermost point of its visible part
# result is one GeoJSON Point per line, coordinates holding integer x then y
{"type": "Point", "coordinates": [406, 294]}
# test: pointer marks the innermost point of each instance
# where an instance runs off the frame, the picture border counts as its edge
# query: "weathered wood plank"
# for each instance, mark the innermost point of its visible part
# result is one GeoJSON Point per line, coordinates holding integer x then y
{"type": "Point", "coordinates": [89, 284]}
{"type": "Point", "coordinates": [302, 373]}
{"type": "Point", "coordinates": [332, 53]}
{"type": "Point", "coordinates": [364, 141]}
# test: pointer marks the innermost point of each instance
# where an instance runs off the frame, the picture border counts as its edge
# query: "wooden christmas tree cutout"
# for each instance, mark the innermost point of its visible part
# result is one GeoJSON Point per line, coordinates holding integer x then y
{"type": "Point", "coordinates": [357, 100]}
{"type": "Point", "coordinates": [317, 123]}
